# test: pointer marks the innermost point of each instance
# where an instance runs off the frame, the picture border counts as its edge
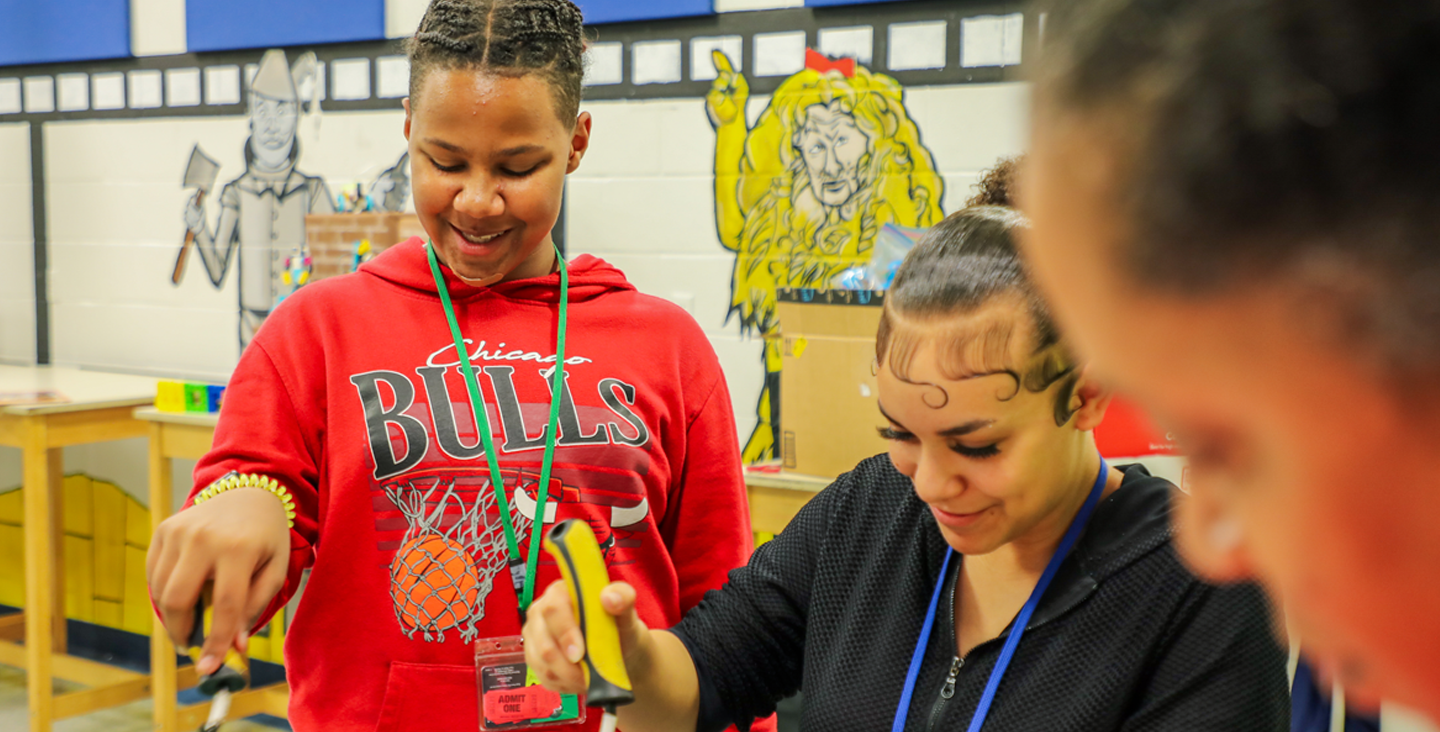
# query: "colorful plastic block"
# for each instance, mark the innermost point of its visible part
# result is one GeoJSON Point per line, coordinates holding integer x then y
{"type": "Point", "coordinates": [217, 395]}
{"type": "Point", "coordinates": [170, 396]}
{"type": "Point", "coordinates": [197, 398]}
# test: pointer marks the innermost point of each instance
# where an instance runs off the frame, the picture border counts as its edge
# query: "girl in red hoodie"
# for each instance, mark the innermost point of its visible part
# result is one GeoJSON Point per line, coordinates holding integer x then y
{"type": "Point", "coordinates": [350, 444]}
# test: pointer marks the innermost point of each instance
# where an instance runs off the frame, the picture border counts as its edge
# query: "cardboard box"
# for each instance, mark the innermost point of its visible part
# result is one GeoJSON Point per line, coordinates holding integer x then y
{"type": "Point", "coordinates": [828, 408]}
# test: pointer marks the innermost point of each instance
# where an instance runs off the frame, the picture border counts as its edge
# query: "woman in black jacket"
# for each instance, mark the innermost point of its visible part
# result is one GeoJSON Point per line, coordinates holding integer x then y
{"type": "Point", "coordinates": [893, 599]}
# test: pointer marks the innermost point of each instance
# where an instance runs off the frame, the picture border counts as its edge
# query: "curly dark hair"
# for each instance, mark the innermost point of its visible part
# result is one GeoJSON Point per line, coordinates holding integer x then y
{"type": "Point", "coordinates": [1269, 143]}
{"type": "Point", "coordinates": [510, 37]}
{"type": "Point", "coordinates": [997, 185]}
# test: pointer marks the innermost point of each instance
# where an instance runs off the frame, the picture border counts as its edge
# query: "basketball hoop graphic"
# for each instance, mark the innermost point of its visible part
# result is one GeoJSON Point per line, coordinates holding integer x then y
{"type": "Point", "coordinates": [453, 547]}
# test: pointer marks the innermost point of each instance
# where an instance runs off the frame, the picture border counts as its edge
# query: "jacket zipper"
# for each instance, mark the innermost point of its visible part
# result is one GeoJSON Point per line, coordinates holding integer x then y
{"type": "Point", "coordinates": [947, 690]}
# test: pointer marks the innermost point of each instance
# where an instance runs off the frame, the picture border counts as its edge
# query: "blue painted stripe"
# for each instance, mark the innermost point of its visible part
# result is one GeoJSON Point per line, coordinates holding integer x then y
{"type": "Point", "coordinates": [50, 31]}
{"type": "Point", "coordinates": [223, 26]}
{"type": "Point", "coordinates": [826, 3]}
{"type": "Point", "coordinates": [619, 11]}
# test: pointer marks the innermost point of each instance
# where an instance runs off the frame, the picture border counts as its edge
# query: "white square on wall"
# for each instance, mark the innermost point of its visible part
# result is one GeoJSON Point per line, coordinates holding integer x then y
{"type": "Point", "coordinates": [222, 85]}
{"type": "Point", "coordinates": [604, 64]}
{"type": "Point", "coordinates": [108, 91]}
{"type": "Point", "coordinates": [402, 17]}
{"type": "Point", "coordinates": [655, 62]}
{"type": "Point", "coordinates": [145, 92]}
{"type": "Point", "coordinates": [917, 45]}
{"type": "Point", "coordinates": [72, 92]}
{"type": "Point", "coordinates": [857, 43]}
{"type": "Point", "coordinates": [10, 96]}
{"type": "Point", "coordinates": [702, 59]}
{"type": "Point", "coordinates": [991, 40]}
{"type": "Point", "coordinates": [1014, 39]}
{"type": "Point", "coordinates": [182, 87]}
{"type": "Point", "coordinates": [779, 54]}
{"type": "Point", "coordinates": [39, 94]}
{"type": "Point", "coordinates": [351, 77]}
{"type": "Point", "coordinates": [392, 77]}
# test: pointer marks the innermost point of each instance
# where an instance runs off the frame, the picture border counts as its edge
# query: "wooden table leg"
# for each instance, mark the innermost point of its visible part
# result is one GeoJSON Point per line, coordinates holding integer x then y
{"type": "Point", "coordinates": [55, 468]}
{"type": "Point", "coordinates": [162, 652]}
{"type": "Point", "coordinates": [39, 572]}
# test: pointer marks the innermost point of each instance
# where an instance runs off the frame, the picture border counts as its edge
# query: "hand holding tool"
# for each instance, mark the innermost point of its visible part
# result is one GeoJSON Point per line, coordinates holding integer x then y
{"type": "Point", "coordinates": [573, 545]}
{"type": "Point", "coordinates": [232, 676]}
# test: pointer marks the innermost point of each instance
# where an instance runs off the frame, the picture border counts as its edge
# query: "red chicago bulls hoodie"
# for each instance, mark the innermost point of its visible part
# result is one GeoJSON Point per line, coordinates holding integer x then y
{"type": "Point", "coordinates": [351, 396]}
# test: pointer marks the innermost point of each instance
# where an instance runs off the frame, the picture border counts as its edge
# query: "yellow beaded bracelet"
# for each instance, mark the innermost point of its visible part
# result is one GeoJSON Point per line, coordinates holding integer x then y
{"type": "Point", "coordinates": [232, 480]}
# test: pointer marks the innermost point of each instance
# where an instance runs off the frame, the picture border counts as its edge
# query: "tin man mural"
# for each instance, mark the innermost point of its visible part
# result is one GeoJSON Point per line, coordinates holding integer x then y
{"type": "Point", "coordinates": [262, 212]}
{"type": "Point", "coordinates": [801, 196]}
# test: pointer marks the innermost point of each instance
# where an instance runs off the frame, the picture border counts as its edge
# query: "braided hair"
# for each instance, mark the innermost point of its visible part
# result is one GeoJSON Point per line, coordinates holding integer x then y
{"type": "Point", "coordinates": [509, 37]}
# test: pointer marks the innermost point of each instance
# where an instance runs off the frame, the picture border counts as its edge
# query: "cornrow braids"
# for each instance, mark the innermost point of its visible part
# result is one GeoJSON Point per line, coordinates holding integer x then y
{"type": "Point", "coordinates": [510, 37]}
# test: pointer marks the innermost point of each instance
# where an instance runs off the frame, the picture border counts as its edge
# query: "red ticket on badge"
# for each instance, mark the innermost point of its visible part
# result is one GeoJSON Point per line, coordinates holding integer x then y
{"type": "Point", "coordinates": [511, 699]}
{"type": "Point", "coordinates": [506, 706]}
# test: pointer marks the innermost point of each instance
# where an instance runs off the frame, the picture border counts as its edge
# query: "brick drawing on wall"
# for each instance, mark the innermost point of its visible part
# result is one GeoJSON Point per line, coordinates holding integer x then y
{"type": "Point", "coordinates": [262, 212]}
{"type": "Point", "coordinates": [801, 195]}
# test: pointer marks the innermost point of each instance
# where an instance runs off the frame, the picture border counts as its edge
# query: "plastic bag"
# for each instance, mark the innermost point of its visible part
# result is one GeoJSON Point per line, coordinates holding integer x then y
{"type": "Point", "coordinates": [891, 245]}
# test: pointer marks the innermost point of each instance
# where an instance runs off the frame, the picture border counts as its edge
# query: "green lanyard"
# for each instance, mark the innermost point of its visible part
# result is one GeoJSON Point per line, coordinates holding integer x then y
{"type": "Point", "coordinates": [522, 571]}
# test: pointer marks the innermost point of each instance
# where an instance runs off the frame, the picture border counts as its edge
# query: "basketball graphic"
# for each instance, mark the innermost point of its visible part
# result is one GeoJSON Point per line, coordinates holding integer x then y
{"type": "Point", "coordinates": [454, 546]}
{"type": "Point", "coordinates": [434, 583]}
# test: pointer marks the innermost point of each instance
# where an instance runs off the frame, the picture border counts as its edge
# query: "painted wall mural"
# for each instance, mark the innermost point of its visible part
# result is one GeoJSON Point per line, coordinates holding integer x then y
{"type": "Point", "coordinates": [262, 212]}
{"type": "Point", "coordinates": [802, 195]}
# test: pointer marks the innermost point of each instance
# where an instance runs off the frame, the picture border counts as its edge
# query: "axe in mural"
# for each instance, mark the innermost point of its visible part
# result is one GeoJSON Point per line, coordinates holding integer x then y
{"type": "Point", "coordinates": [200, 175]}
{"type": "Point", "coordinates": [802, 195]}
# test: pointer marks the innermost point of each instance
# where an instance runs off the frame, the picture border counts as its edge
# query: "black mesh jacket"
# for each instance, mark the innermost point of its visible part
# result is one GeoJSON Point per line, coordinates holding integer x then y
{"type": "Point", "coordinates": [1124, 639]}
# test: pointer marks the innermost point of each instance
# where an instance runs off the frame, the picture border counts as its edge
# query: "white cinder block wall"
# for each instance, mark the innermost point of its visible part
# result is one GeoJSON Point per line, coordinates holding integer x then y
{"type": "Point", "coordinates": [116, 225]}
{"type": "Point", "coordinates": [17, 268]}
{"type": "Point", "coordinates": [17, 247]}
{"type": "Point", "coordinates": [644, 199]}
{"type": "Point", "coordinates": [115, 212]}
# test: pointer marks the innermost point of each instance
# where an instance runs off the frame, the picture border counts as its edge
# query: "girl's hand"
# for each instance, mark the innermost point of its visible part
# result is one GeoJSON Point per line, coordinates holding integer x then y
{"type": "Point", "coordinates": [240, 542]}
{"type": "Point", "coordinates": [554, 644]}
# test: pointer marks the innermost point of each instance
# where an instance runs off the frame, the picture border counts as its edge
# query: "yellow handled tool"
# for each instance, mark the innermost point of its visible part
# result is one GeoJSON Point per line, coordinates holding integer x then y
{"type": "Point", "coordinates": [232, 676]}
{"type": "Point", "coordinates": [573, 545]}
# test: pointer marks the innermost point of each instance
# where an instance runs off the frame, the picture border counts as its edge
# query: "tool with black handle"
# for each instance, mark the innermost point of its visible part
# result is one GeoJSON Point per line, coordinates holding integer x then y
{"type": "Point", "coordinates": [582, 566]}
{"type": "Point", "coordinates": [232, 676]}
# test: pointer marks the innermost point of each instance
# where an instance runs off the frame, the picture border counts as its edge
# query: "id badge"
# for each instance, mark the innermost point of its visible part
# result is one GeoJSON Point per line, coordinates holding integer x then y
{"type": "Point", "coordinates": [511, 698]}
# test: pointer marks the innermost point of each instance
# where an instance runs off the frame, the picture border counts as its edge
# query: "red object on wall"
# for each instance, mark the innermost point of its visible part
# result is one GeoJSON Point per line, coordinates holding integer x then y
{"type": "Point", "coordinates": [1129, 432]}
{"type": "Point", "coordinates": [816, 61]}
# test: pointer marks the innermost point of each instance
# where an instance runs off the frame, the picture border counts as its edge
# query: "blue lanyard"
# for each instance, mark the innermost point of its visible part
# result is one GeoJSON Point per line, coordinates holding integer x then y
{"type": "Point", "coordinates": [1017, 629]}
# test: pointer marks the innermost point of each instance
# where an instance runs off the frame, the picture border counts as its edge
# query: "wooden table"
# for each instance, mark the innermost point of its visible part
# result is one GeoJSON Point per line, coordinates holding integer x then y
{"type": "Point", "coordinates": [775, 498]}
{"type": "Point", "coordinates": [98, 409]}
{"type": "Point", "coordinates": [187, 435]}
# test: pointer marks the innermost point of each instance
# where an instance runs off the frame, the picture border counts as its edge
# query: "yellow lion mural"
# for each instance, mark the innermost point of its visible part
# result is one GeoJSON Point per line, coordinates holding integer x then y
{"type": "Point", "coordinates": [801, 196]}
